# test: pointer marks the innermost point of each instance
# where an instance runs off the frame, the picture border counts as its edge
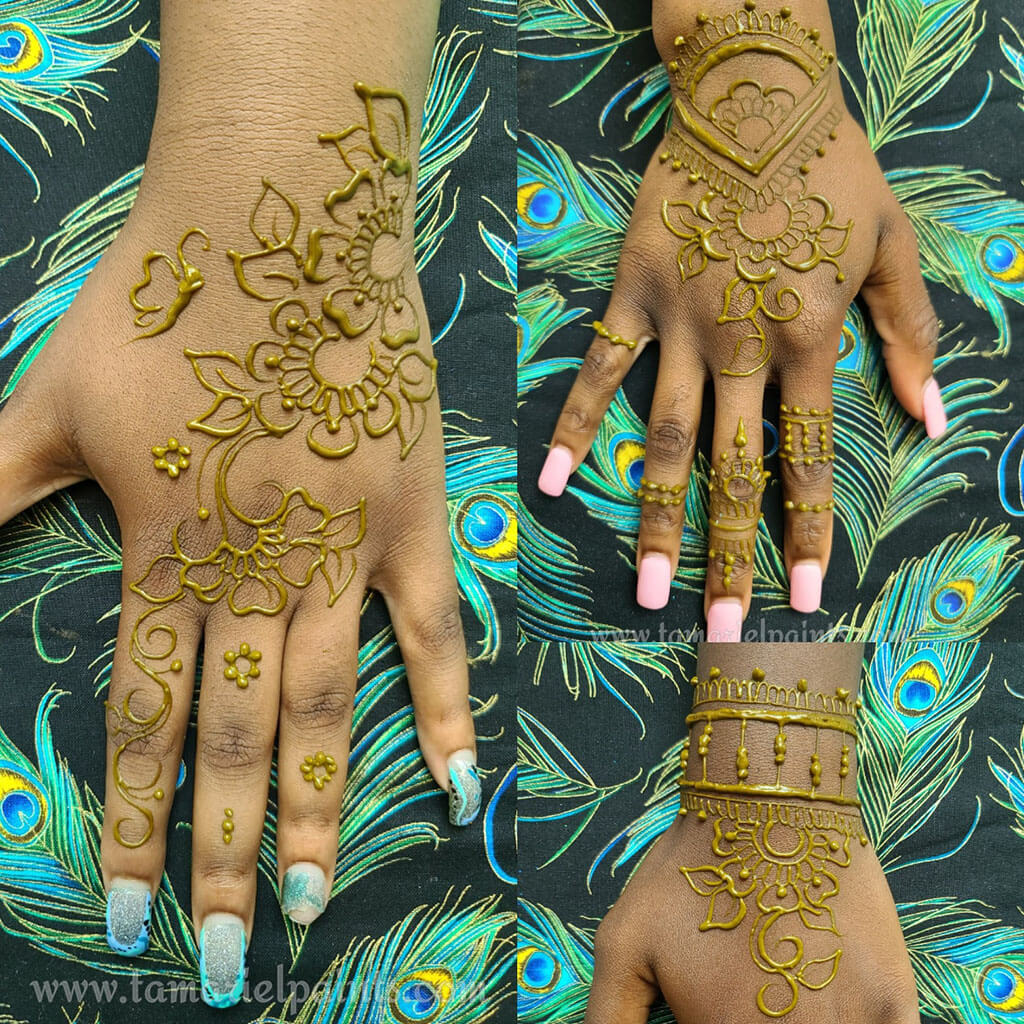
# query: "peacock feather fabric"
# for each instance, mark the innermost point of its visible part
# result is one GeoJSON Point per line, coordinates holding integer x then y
{"type": "Point", "coordinates": [928, 533]}
{"type": "Point", "coordinates": [422, 921]}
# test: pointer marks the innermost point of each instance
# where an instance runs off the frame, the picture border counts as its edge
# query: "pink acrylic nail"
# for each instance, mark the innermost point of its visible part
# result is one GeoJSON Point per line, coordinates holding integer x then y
{"type": "Point", "coordinates": [934, 410]}
{"type": "Point", "coordinates": [725, 621]}
{"type": "Point", "coordinates": [654, 581]}
{"type": "Point", "coordinates": [555, 474]}
{"type": "Point", "coordinates": [805, 587]}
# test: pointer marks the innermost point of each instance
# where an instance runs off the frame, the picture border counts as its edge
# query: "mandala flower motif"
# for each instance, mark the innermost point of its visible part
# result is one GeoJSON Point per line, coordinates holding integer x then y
{"type": "Point", "coordinates": [318, 768]}
{"type": "Point", "coordinates": [288, 549]}
{"type": "Point", "coordinates": [172, 458]}
{"type": "Point", "coordinates": [751, 113]}
{"type": "Point", "coordinates": [242, 665]}
{"type": "Point", "coordinates": [389, 394]}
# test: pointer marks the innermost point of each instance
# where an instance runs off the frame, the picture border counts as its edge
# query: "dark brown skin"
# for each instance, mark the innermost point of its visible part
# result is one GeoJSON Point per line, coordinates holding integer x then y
{"type": "Point", "coordinates": [649, 941]}
{"type": "Point", "coordinates": [96, 400]}
{"type": "Point", "coordinates": [650, 302]}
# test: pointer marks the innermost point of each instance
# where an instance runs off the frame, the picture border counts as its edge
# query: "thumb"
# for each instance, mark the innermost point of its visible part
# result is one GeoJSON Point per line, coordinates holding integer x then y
{"type": "Point", "coordinates": [35, 455]}
{"type": "Point", "coordinates": [619, 994]}
{"type": "Point", "coordinates": [902, 311]}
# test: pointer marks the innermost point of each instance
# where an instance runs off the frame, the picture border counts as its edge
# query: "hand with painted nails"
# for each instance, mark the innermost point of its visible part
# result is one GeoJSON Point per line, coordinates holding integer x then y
{"type": "Point", "coordinates": [248, 374]}
{"type": "Point", "coordinates": [761, 216]}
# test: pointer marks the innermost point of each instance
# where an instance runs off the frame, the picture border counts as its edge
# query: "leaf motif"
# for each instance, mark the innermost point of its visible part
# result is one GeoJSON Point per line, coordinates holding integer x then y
{"type": "Point", "coordinates": [161, 583]}
{"type": "Point", "coordinates": [274, 220]}
{"type": "Point", "coordinates": [706, 880]}
{"type": "Point", "coordinates": [817, 974]}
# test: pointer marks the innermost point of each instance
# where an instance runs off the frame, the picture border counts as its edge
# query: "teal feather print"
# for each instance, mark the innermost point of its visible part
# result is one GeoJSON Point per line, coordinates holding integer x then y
{"type": "Point", "coordinates": [661, 808]}
{"type": "Point", "coordinates": [51, 884]}
{"type": "Point", "coordinates": [909, 52]}
{"type": "Point", "coordinates": [48, 65]}
{"type": "Point", "coordinates": [540, 314]}
{"type": "Point", "coordinates": [549, 772]}
{"type": "Point", "coordinates": [971, 236]}
{"type": "Point", "coordinates": [969, 968]}
{"type": "Point", "coordinates": [887, 469]}
{"type": "Point", "coordinates": [502, 12]}
{"type": "Point", "coordinates": [70, 253]}
{"type": "Point", "coordinates": [1012, 781]}
{"type": "Point", "coordinates": [913, 743]}
{"type": "Point", "coordinates": [450, 123]}
{"type": "Point", "coordinates": [503, 250]}
{"type": "Point", "coordinates": [649, 89]}
{"type": "Point", "coordinates": [446, 964]}
{"type": "Point", "coordinates": [572, 217]}
{"type": "Point", "coordinates": [1014, 55]}
{"type": "Point", "coordinates": [570, 30]}
{"type": "Point", "coordinates": [483, 524]}
{"type": "Point", "coordinates": [54, 546]}
{"type": "Point", "coordinates": [554, 966]}
{"type": "Point", "coordinates": [955, 591]}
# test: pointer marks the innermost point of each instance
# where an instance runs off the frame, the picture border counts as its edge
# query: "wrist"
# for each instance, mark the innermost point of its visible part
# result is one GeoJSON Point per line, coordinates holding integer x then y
{"type": "Point", "coordinates": [765, 746]}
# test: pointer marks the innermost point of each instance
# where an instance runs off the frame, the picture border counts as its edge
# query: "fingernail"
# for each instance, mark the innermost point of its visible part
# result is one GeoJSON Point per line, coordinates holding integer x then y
{"type": "Point", "coordinates": [222, 960]}
{"type": "Point", "coordinates": [934, 410]}
{"type": "Point", "coordinates": [653, 581]}
{"type": "Point", "coordinates": [725, 620]}
{"type": "Point", "coordinates": [805, 587]}
{"type": "Point", "coordinates": [555, 474]}
{"type": "Point", "coordinates": [129, 905]}
{"type": "Point", "coordinates": [463, 788]}
{"type": "Point", "coordinates": [304, 892]}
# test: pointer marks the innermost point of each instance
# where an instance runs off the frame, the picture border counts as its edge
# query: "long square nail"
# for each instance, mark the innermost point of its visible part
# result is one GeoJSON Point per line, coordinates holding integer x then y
{"type": "Point", "coordinates": [463, 788]}
{"type": "Point", "coordinates": [725, 621]}
{"type": "Point", "coordinates": [222, 960]}
{"type": "Point", "coordinates": [129, 907]}
{"type": "Point", "coordinates": [555, 474]}
{"type": "Point", "coordinates": [654, 581]}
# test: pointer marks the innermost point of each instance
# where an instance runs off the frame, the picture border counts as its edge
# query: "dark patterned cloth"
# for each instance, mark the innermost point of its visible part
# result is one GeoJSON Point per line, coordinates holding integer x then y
{"type": "Point", "coordinates": [417, 897]}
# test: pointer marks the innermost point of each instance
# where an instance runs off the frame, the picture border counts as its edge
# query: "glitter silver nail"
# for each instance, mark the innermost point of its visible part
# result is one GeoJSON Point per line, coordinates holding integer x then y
{"type": "Point", "coordinates": [222, 959]}
{"type": "Point", "coordinates": [129, 905]}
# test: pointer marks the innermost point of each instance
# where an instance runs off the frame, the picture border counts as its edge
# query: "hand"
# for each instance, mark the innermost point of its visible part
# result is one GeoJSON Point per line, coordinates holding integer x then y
{"type": "Point", "coordinates": [760, 217]}
{"type": "Point", "coordinates": [718, 957]}
{"type": "Point", "coordinates": [248, 375]}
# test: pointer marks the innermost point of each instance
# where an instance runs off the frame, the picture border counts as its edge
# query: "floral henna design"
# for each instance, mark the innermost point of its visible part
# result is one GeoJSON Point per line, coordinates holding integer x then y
{"type": "Point", "coordinates": [254, 562]}
{"type": "Point", "coordinates": [750, 143]}
{"type": "Point", "coordinates": [187, 276]}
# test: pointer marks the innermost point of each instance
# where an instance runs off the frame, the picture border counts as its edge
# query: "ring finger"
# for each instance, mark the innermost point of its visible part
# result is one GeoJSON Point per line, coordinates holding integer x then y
{"type": "Point", "coordinates": [238, 705]}
{"type": "Point", "coordinates": [806, 456]}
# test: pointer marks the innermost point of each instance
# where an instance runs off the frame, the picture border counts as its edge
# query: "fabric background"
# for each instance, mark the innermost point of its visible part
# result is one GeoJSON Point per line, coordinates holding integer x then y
{"type": "Point", "coordinates": [926, 540]}
{"type": "Point", "coordinates": [60, 571]}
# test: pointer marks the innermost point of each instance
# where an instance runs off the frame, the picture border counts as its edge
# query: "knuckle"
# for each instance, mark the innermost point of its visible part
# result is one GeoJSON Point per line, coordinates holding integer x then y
{"type": "Point", "coordinates": [436, 632]}
{"type": "Point", "coordinates": [658, 520]}
{"type": "Point", "coordinates": [600, 369]}
{"type": "Point", "coordinates": [803, 472]}
{"type": "Point", "coordinates": [313, 819]}
{"type": "Point", "coordinates": [233, 746]}
{"type": "Point", "coordinates": [807, 534]}
{"type": "Point", "coordinates": [669, 438]}
{"type": "Point", "coordinates": [316, 707]}
{"type": "Point", "coordinates": [575, 419]}
{"type": "Point", "coordinates": [224, 874]}
{"type": "Point", "coordinates": [921, 324]}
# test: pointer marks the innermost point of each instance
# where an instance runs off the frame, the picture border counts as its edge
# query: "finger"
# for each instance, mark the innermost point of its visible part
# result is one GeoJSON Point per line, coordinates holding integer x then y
{"type": "Point", "coordinates": [317, 692]}
{"type": "Point", "coordinates": [35, 459]}
{"type": "Point", "coordinates": [423, 600]}
{"type": "Point", "coordinates": [617, 344]}
{"type": "Point", "coordinates": [735, 487]}
{"type": "Point", "coordinates": [902, 312]}
{"type": "Point", "coordinates": [618, 994]}
{"type": "Point", "coordinates": [668, 457]}
{"type": "Point", "coordinates": [147, 713]}
{"type": "Point", "coordinates": [806, 456]}
{"type": "Point", "coordinates": [238, 705]}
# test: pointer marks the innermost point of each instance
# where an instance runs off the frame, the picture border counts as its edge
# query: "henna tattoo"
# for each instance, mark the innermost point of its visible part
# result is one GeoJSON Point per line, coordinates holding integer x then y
{"type": "Point", "coordinates": [663, 494]}
{"type": "Point", "coordinates": [735, 487]}
{"type": "Point", "coordinates": [811, 431]}
{"type": "Point", "coordinates": [776, 861]}
{"type": "Point", "coordinates": [227, 826]}
{"type": "Point", "coordinates": [188, 278]}
{"type": "Point", "coordinates": [759, 216]}
{"type": "Point", "coordinates": [172, 457]}
{"type": "Point", "coordinates": [615, 339]}
{"type": "Point", "coordinates": [242, 666]}
{"type": "Point", "coordinates": [318, 769]}
{"type": "Point", "coordinates": [803, 506]}
{"type": "Point", "coordinates": [254, 558]}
